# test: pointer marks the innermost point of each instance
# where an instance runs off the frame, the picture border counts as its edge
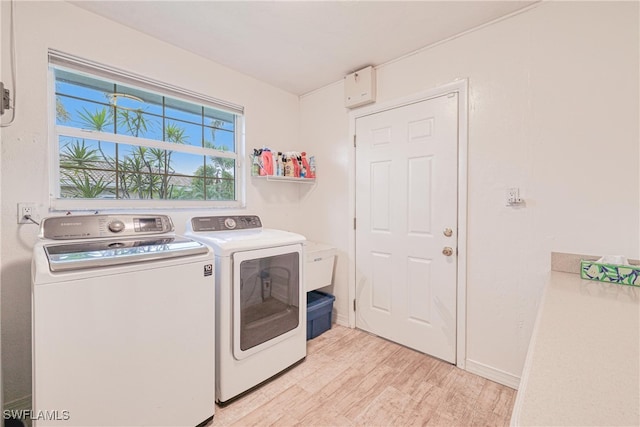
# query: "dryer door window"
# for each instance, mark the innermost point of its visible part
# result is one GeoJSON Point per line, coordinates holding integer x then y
{"type": "Point", "coordinates": [267, 299]}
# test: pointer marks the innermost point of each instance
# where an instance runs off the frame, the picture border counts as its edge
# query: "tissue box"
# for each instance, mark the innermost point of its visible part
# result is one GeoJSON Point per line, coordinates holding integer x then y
{"type": "Point", "coordinates": [620, 274]}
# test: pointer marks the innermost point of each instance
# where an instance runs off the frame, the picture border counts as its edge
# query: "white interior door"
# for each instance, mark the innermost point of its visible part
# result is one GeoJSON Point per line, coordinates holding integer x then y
{"type": "Point", "coordinates": [406, 210]}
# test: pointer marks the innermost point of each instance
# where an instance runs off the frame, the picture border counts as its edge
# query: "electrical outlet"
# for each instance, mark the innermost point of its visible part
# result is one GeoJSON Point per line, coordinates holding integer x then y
{"type": "Point", "coordinates": [26, 210]}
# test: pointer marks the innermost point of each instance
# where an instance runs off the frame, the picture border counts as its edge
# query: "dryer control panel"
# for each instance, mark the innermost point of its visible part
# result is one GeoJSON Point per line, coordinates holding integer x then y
{"type": "Point", "coordinates": [99, 226]}
{"type": "Point", "coordinates": [225, 223]}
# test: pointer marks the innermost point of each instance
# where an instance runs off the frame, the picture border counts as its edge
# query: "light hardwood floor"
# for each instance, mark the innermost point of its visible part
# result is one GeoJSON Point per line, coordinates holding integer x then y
{"type": "Point", "coordinates": [352, 378]}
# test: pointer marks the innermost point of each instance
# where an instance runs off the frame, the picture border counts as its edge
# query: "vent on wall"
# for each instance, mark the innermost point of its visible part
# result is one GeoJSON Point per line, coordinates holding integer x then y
{"type": "Point", "coordinates": [360, 88]}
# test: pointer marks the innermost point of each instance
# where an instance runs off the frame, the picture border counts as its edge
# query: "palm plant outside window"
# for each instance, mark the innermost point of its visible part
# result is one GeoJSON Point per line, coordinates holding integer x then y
{"type": "Point", "coordinates": [118, 141]}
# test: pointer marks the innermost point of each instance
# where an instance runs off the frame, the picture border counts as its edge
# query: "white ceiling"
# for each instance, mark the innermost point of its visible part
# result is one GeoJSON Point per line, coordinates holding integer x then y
{"type": "Point", "coordinates": [300, 46]}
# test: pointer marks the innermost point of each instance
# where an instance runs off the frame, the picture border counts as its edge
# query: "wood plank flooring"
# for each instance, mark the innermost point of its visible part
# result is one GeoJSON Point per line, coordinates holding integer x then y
{"type": "Point", "coordinates": [352, 378]}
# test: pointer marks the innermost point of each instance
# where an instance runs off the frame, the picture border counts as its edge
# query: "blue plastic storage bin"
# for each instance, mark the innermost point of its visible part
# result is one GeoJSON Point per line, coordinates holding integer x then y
{"type": "Point", "coordinates": [319, 310]}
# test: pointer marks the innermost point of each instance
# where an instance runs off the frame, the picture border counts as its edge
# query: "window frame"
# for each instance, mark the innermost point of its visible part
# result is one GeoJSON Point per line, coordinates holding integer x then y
{"type": "Point", "coordinates": [57, 203]}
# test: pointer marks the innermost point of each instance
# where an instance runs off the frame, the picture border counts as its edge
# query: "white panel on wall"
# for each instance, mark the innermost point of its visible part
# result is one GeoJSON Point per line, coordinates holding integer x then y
{"type": "Point", "coordinates": [419, 199]}
{"type": "Point", "coordinates": [382, 271]}
{"type": "Point", "coordinates": [380, 196]}
{"type": "Point", "coordinates": [419, 286]}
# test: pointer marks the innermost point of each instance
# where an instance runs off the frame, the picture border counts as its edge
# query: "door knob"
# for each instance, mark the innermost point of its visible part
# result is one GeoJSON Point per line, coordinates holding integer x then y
{"type": "Point", "coordinates": [447, 251]}
{"type": "Point", "coordinates": [447, 232]}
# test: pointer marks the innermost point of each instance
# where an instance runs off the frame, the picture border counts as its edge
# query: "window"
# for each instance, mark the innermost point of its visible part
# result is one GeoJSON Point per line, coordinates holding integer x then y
{"type": "Point", "coordinates": [124, 141]}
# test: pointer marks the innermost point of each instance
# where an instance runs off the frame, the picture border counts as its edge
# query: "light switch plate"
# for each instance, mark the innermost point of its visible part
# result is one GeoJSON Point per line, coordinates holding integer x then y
{"type": "Point", "coordinates": [513, 197]}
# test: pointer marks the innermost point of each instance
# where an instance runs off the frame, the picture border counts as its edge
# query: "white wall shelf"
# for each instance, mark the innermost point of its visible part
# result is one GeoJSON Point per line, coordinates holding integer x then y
{"type": "Point", "coordinates": [285, 179]}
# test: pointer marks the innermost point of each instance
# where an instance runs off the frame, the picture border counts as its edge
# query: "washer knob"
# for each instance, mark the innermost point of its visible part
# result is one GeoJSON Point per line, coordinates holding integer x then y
{"type": "Point", "coordinates": [230, 223]}
{"type": "Point", "coordinates": [116, 226]}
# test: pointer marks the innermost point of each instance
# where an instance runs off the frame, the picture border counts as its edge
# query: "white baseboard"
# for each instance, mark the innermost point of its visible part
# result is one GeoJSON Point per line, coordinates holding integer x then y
{"type": "Point", "coordinates": [493, 374]}
{"type": "Point", "coordinates": [23, 403]}
{"type": "Point", "coordinates": [341, 320]}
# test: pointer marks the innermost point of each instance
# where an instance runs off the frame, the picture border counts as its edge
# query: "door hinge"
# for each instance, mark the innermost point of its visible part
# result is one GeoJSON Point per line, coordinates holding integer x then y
{"type": "Point", "coordinates": [5, 99]}
{"type": "Point", "coordinates": [354, 223]}
{"type": "Point", "coordinates": [354, 305]}
{"type": "Point", "coordinates": [354, 141]}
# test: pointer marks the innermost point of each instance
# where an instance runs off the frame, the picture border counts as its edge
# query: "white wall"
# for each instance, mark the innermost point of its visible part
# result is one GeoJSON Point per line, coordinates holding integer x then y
{"type": "Point", "coordinates": [271, 119]}
{"type": "Point", "coordinates": [323, 125]}
{"type": "Point", "coordinates": [553, 111]}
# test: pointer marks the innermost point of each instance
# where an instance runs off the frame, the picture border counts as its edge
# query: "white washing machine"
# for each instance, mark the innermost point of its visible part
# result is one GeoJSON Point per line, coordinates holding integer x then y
{"type": "Point", "coordinates": [260, 301]}
{"type": "Point", "coordinates": [123, 323]}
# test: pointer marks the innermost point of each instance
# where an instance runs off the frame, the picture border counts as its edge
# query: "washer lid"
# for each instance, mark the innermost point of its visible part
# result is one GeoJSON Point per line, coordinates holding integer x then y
{"type": "Point", "coordinates": [224, 243]}
{"type": "Point", "coordinates": [104, 253]}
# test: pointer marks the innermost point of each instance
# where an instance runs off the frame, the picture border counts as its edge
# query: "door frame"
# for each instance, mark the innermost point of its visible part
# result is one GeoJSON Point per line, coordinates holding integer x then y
{"type": "Point", "coordinates": [461, 87]}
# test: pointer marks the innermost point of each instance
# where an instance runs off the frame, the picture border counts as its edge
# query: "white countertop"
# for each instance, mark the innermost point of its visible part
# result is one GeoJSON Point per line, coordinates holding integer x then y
{"type": "Point", "coordinates": [583, 363]}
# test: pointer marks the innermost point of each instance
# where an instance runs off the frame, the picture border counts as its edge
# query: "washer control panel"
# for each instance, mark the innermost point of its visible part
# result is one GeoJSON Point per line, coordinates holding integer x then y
{"type": "Point", "coordinates": [225, 223]}
{"type": "Point", "coordinates": [98, 226]}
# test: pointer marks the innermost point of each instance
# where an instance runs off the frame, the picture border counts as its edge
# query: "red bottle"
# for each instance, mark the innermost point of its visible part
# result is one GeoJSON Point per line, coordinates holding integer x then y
{"type": "Point", "coordinates": [296, 166]}
{"type": "Point", "coordinates": [305, 164]}
{"type": "Point", "coordinates": [267, 162]}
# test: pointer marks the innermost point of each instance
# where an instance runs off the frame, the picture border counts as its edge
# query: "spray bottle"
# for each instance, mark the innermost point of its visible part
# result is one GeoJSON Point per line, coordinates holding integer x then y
{"type": "Point", "coordinates": [305, 166]}
{"type": "Point", "coordinates": [303, 169]}
{"type": "Point", "coordinates": [296, 165]}
{"type": "Point", "coordinates": [288, 166]}
{"type": "Point", "coordinates": [256, 163]}
{"type": "Point", "coordinates": [312, 167]}
{"type": "Point", "coordinates": [278, 164]}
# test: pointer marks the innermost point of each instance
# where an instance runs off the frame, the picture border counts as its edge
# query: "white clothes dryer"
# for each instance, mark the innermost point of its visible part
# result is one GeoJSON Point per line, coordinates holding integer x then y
{"type": "Point", "coordinates": [123, 318]}
{"type": "Point", "coordinates": [260, 300]}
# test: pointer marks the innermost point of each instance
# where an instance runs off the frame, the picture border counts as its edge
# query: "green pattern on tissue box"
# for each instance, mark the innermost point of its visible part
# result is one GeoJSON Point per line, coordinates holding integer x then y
{"type": "Point", "coordinates": [620, 274]}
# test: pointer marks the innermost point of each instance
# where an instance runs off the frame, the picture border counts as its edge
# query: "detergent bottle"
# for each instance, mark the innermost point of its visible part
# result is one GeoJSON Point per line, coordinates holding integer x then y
{"type": "Point", "coordinates": [278, 164]}
{"type": "Point", "coordinates": [305, 166]}
{"type": "Point", "coordinates": [288, 166]}
{"type": "Point", "coordinates": [296, 165]}
{"type": "Point", "coordinates": [267, 162]}
{"type": "Point", "coordinates": [312, 167]}
{"type": "Point", "coordinates": [303, 169]}
{"type": "Point", "coordinates": [256, 162]}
